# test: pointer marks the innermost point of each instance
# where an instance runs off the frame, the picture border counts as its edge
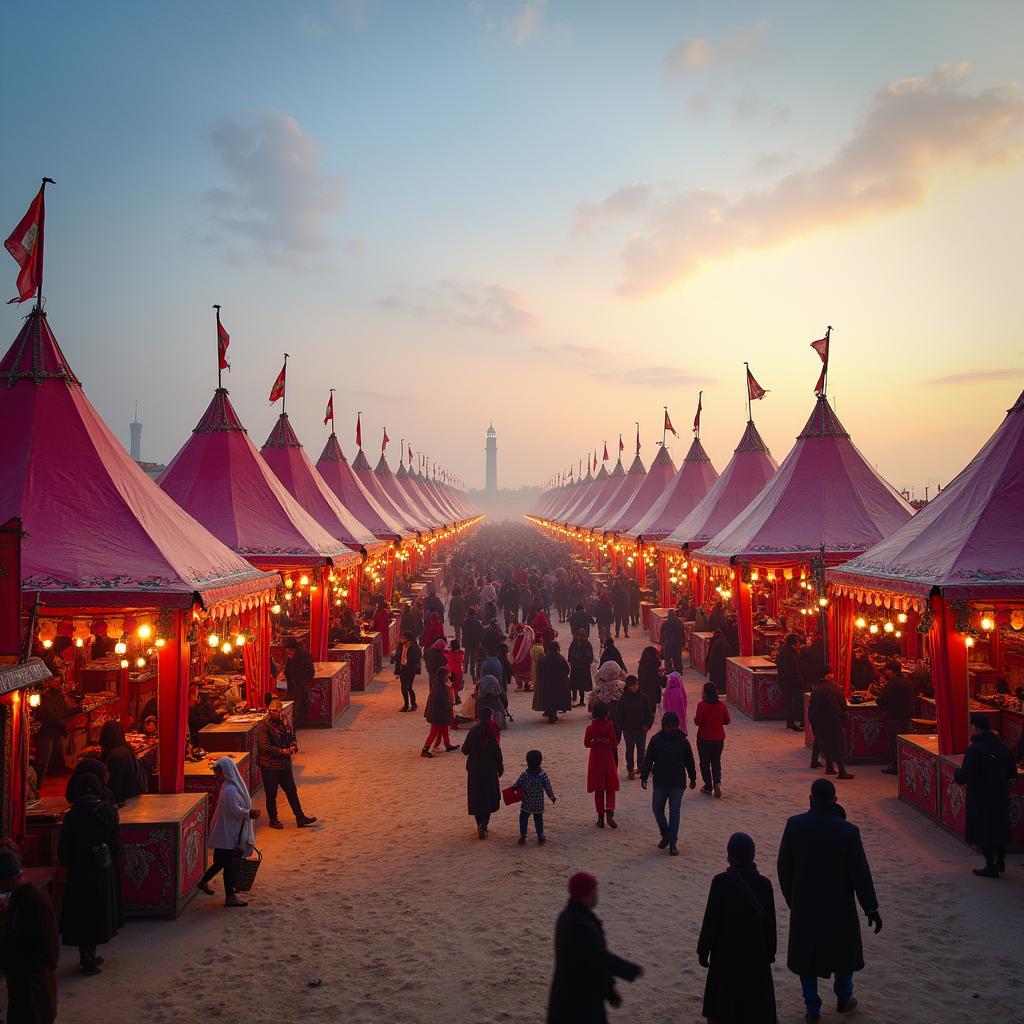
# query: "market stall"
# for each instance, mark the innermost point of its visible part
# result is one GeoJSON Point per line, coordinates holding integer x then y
{"type": "Point", "coordinates": [359, 658]}
{"type": "Point", "coordinates": [751, 684]}
{"type": "Point", "coordinates": [700, 647]}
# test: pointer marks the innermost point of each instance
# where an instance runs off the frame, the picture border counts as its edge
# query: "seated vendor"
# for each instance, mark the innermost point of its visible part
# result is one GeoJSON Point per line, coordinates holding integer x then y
{"type": "Point", "coordinates": [222, 663]}
{"type": "Point", "coordinates": [200, 712]}
{"type": "Point", "coordinates": [886, 645]}
{"type": "Point", "coordinates": [862, 673]}
{"type": "Point", "coordinates": [921, 677]}
{"type": "Point", "coordinates": [345, 630]}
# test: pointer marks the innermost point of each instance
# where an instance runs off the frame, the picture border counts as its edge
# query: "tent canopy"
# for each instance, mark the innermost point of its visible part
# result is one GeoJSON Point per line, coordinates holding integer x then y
{"type": "Point", "coordinates": [694, 479]}
{"type": "Point", "coordinates": [659, 476]}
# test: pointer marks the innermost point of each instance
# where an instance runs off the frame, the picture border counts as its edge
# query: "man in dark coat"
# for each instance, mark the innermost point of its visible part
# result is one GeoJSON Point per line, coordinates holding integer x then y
{"type": "Point", "coordinates": [300, 672]}
{"type": "Point", "coordinates": [553, 682]}
{"type": "Point", "coordinates": [508, 595]}
{"type": "Point", "coordinates": [581, 619]}
{"type": "Point", "coordinates": [432, 603]}
{"type": "Point", "coordinates": [491, 640]}
{"type": "Point", "coordinates": [484, 767]}
{"type": "Point", "coordinates": [827, 712]}
{"type": "Point", "coordinates": [897, 699]}
{"type": "Point", "coordinates": [791, 680]}
{"type": "Point", "coordinates": [718, 653]}
{"type": "Point", "coordinates": [812, 661]}
{"type": "Point", "coordinates": [472, 634]}
{"type": "Point", "coordinates": [581, 657]}
{"type": "Point", "coordinates": [585, 970]}
{"type": "Point", "coordinates": [671, 640]}
{"type": "Point", "coordinates": [821, 868]}
{"type": "Point", "coordinates": [634, 602]}
{"type": "Point", "coordinates": [29, 946]}
{"type": "Point", "coordinates": [987, 769]}
{"type": "Point", "coordinates": [669, 758]}
{"type": "Point", "coordinates": [634, 717]}
{"type": "Point", "coordinates": [52, 716]}
{"type": "Point", "coordinates": [620, 605]}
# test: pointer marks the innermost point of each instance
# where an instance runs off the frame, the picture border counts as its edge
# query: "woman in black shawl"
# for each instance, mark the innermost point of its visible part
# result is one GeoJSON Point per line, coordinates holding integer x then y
{"type": "Point", "coordinates": [126, 774]}
{"type": "Point", "coordinates": [650, 676]}
{"type": "Point", "coordinates": [88, 848]}
{"type": "Point", "coordinates": [484, 766]}
{"type": "Point", "coordinates": [581, 657]}
{"type": "Point", "coordinates": [738, 940]}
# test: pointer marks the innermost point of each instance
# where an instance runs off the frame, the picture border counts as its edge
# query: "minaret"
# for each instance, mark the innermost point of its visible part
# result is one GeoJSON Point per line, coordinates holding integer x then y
{"type": "Point", "coordinates": [136, 428]}
{"type": "Point", "coordinates": [491, 483]}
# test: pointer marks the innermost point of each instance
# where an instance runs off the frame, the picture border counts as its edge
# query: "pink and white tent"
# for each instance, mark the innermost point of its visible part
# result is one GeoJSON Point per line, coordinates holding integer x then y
{"type": "Point", "coordinates": [283, 453]}
{"type": "Point", "coordinates": [403, 479]}
{"type": "Point", "coordinates": [580, 498]}
{"type": "Point", "coordinates": [966, 541]}
{"type": "Point", "coordinates": [825, 494]}
{"type": "Point", "coordinates": [618, 499]}
{"type": "Point", "coordinates": [695, 478]}
{"type": "Point", "coordinates": [98, 530]}
{"type": "Point", "coordinates": [395, 501]}
{"type": "Point", "coordinates": [749, 469]}
{"type": "Point", "coordinates": [339, 476]}
{"type": "Point", "coordinates": [659, 476]}
{"type": "Point", "coordinates": [584, 511]}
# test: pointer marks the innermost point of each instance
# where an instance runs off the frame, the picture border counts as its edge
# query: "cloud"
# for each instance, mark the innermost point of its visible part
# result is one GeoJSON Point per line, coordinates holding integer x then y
{"type": "Point", "coordinates": [602, 364]}
{"type": "Point", "coordinates": [279, 197]}
{"type": "Point", "coordinates": [912, 129]}
{"type": "Point", "coordinates": [694, 55]}
{"type": "Point", "coordinates": [528, 21]}
{"type": "Point", "coordinates": [490, 307]}
{"type": "Point", "coordinates": [977, 376]}
{"type": "Point", "coordinates": [772, 163]}
{"type": "Point", "coordinates": [623, 201]}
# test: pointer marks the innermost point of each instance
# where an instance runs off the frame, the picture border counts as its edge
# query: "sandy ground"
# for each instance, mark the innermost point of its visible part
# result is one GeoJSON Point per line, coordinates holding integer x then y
{"type": "Point", "coordinates": [407, 917]}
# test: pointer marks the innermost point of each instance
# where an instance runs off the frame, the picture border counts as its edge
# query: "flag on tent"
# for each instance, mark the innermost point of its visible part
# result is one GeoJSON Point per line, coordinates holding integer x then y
{"type": "Point", "coordinates": [223, 340]}
{"type": "Point", "coordinates": [638, 439]}
{"type": "Point", "coordinates": [329, 414]}
{"type": "Point", "coordinates": [696, 419]}
{"type": "Point", "coordinates": [668, 425]}
{"type": "Point", "coordinates": [821, 347]}
{"type": "Point", "coordinates": [605, 458]}
{"type": "Point", "coordinates": [384, 441]}
{"type": "Point", "coordinates": [25, 244]}
{"type": "Point", "coordinates": [359, 431]}
{"type": "Point", "coordinates": [754, 390]}
{"type": "Point", "coordinates": [277, 391]}
{"type": "Point", "coordinates": [622, 447]}
{"type": "Point", "coordinates": [410, 455]}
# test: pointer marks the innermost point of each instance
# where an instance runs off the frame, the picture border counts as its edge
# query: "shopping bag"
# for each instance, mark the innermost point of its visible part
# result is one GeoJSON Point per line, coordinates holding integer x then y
{"type": "Point", "coordinates": [512, 795]}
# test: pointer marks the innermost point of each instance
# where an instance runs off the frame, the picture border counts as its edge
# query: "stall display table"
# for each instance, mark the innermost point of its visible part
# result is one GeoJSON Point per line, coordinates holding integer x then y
{"type": "Point", "coordinates": [645, 613]}
{"type": "Point", "coordinates": [163, 852]}
{"type": "Point", "coordinates": [656, 618]}
{"type": "Point", "coordinates": [141, 690]}
{"type": "Point", "coordinates": [866, 739]}
{"type": "Point", "coordinates": [1005, 716]}
{"type": "Point", "coordinates": [700, 645]}
{"type": "Point", "coordinates": [236, 733]}
{"type": "Point", "coordinates": [84, 726]}
{"type": "Point", "coordinates": [767, 640]}
{"type": "Point", "coordinates": [359, 658]}
{"type": "Point", "coordinates": [199, 777]}
{"type": "Point", "coordinates": [328, 696]}
{"type": "Point", "coordinates": [751, 684]}
{"type": "Point", "coordinates": [376, 641]}
{"type": "Point", "coordinates": [393, 631]}
{"type": "Point", "coordinates": [953, 802]}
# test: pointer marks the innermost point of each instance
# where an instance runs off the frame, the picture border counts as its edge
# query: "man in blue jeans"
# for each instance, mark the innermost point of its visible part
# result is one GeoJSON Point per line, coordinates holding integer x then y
{"type": "Point", "coordinates": [822, 869]}
{"type": "Point", "coordinates": [669, 758]}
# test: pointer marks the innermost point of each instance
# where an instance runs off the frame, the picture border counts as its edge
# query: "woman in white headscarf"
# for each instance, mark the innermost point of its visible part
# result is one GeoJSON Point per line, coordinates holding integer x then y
{"type": "Point", "coordinates": [231, 829]}
{"type": "Point", "coordinates": [607, 686]}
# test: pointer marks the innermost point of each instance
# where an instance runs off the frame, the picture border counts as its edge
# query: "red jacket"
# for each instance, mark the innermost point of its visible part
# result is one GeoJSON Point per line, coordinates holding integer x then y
{"type": "Point", "coordinates": [711, 720]}
{"type": "Point", "coordinates": [602, 772]}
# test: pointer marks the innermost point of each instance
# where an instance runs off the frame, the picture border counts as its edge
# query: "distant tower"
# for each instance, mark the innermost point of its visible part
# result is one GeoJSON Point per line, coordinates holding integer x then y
{"type": "Point", "coordinates": [491, 483]}
{"type": "Point", "coordinates": [136, 428]}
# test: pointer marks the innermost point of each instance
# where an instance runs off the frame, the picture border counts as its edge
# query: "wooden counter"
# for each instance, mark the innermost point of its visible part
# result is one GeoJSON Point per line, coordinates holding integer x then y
{"type": "Point", "coordinates": [359, 658]}
{"type": "Point", "coordinates": [234, 735]}
{"type": "Point", "coordinates": [655, 619]}
{"type": "Point", "coordinates": [867, 742]}
{"type": "Point", "coordinates": [700, 645]}
{"type": "Point", "coordinates": [199, 776]}
{"type": "Point", "coordinates": [752, 686]}
{"type": "Point", "coordinates": [328, 696]}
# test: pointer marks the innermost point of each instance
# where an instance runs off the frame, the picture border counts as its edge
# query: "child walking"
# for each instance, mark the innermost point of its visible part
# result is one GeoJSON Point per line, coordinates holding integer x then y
{"type": "Point", "coordinates": [455, 661]}
{"type": "Point", "coordinates": [602, 771]}
{"type": "Point", "coordinates": [534, 783]}
{"type": "Point", "coordinates": [438, 714]}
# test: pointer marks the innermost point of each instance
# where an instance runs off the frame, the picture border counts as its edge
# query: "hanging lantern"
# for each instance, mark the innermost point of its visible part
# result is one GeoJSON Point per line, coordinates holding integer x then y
{"type": "Point", "coordinates": [213, 640]}
{"type": "Point", "coordinates": [120, 647]}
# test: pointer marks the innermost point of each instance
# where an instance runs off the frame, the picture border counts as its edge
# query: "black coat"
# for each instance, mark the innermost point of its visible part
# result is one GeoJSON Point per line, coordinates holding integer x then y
{"type": "Point", "coordinates": [581, 620]}
{"type": "Point", "coordinates": [669, 757]}
{"type": "Point", "coordinates": [822, 867]}
{"type": "Point", "coordinates": [484, 766]}
{"type": "Point", "coordinates": [672, 635]}
{"type": "Point", "coordinates": [413, 660]}
{"type": "Point", "coordinates": [987, 769]}
{"type": "Point", "coordinates": [553, 683]}
{"type": "Point", "coordinates": [472, 632]}
{"type": "Point", "coordinates": [633, 711]}
{"type": "Point", "coordinates": [491, 641]}
{"type": "Point", "coordinates": [812, 661]}
{"type": "Point", "coordinates": [126, 774]}
{"type": "Point", "coordinates": [433, 659]}
{"type": "Point", "coordinates": [457, 610]}
{"type": "Point", "coordinates": [788, 671]}
{"type": "Point", "coordinates": [91, 911]}
{"type": "Point", "coordinates": [827, 713]}
{"type": "Point", "coordinates": [611, 653]}
{"type": "Point", "coordinates": [585, 971]}
{"type": "Point", "coordinates": [581, 657]}
{"type": "Point", "coordinates": [439, 706]}
{"type": "Point", "coordinates": [739, 937]}
{"type": "Point", "coordinates": [652, 682]}
{"type": "Point", "coordinates": [898, 699]}
{"type": "Point", "coordinates": [716, 662]}
{"type": "Point", "coordinates": [29, 951]}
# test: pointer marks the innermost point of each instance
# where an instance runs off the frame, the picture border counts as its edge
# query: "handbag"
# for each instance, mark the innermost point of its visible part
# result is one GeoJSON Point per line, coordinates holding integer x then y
{"type": "Point", "coordinates": [512, 795]}
{"type": "Point", "coordinates": [245, 868]}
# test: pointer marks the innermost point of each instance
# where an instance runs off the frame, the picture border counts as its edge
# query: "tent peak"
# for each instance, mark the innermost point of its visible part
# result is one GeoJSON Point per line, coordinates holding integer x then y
{"type": "Point", "coordinates": [823, 422]}
{"type": "Point", "coordinates": [697, 453]}
{"type": "Point", "coordinates": [282, 435]}
{"type": "Point", "coordinates": [220, 416]}
{"type": "Point", "coordinates": [751, 441]}
{"type": "Point", "coordinates": [35, 355]}
{"type": "Point", "coordinates": [332, 450]}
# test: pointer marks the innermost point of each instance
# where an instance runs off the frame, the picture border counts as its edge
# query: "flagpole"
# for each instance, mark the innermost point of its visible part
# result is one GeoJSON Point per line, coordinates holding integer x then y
{"type": "Point", "coordinates": [219, 385]}
{"type": "Point", "coordinates": [700, 402]}
{"type": "Point", "coordinates": [637, 452]}
{"type": "Point", "coordinates": [284, 385]}
{"type": "Point", "coordinates": [332, 411]}
{"type": "Point", "coordinates": [664, 427]}
{"type": "Point", "coordinates": [828, 353]}
{"type": "Point", "coordinates": [750, 415]}
{"type": "Point", "coordinates": [359, 423]}
{"type": "Point", "coordinates": [42, 219]}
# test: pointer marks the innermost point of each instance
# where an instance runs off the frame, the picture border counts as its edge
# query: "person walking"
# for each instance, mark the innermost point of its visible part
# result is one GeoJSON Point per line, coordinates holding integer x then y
{"type": "Point", "coordinates": [674, 698]}
{"type": "Point", "coordinates": [620, 606]}
{"type": "Point", "coordinates": [671, 639]}
{"type": "Point", "coordinates": [585, 969]}
{"type": "Point", "coordinates": [634, 717]}
{"type": "Point", "coordinates": [457, 612]}
{"type": "Point", "coordinates": [650, 676]}
{"type": "Point", "coordinates": [602, 773]}
{"type": "Point", "coordinates": [484, 767]}
{"type": "Point", "coordinates": [718, 653]}
{"type": "Point", "coordinates": [738, 941]}
{"type": "Point", "coordinates": [231, 829]}
{"type": "Point", "coordinates": [88, 848]}
{"type": "Point", "coordinates": [791, 680]}
{"type": "Point", "coordinates": [438, 713]}
{"type": "Point", "coordinates": [897, 700]}
{"type": "Point", "coordinates": [634, 602]}
{"type": "Point", "coordinates": [822, 868]}
{"type": "Point", "coordinates": [490, 694]}
{"type": "Point", "coordinates": [581, 619]}
{"type": "Point", "coordinates": [604, 616]}
{"type": "Point", "coordinates": [433, 631]}
{"type": "Point", "coordinates": [581, 657]}
{"type": "Point", "coordinates": [522, 663]}
{"type": "Point", "coordinates": [711, 718]}
{"type": "Point", "coordinates": [669, 759]}
{"type": "Point", "coordinates": [553, 682]}
{"type": "Point", "coordinates": [472, 634]}
{"type": "Point", "coordinates": [276, 746]}
{"type": "Point", "coordinates": [408, 662]}
{"type": "Point", "coordinates": [533, 783]}
{"type": "Point", "coordinates": [827, 712]}
{"type": "Point", "coordinates": [52, 716]}
{"type": "Point", "coordinates": [609, 652]}
{"type": "Point", "coordinates": [29, 945]}
{"type": "Point", "coordinates": [987, 770]}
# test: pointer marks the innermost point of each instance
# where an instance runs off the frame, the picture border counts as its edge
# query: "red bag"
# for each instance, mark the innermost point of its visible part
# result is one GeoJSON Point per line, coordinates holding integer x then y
{"type": "Point", "coordinates": [512, 795]}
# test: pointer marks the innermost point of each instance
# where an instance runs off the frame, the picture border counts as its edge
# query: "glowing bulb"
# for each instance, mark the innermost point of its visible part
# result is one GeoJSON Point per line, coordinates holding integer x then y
{"type": "Point", "coordinates": [140, 662]}
{"type": "Point", "coordinates": [213, 640]}
{"type": "Point", "coordinates": [47, 644]}
{"type": "Point", "coordinates": [969, 641]}
{"type": "Point", "coordinates": [901, 618]}
{"type": "Point", "coordinates": [303, 581]}
{"type": "Point", "coordinates": [275, 609]}
{"type": "Point", "coordinates": [889, 627]}
{"type": "Point", "coordinates": [899, 633]}
{"type": "Point", "coordinates": [79, 642]}
{"type": "Point", "coordinates": [861, 622]}
{"type": "Point", "coordinates": [145, 632]}
{"type": "Point", "coordinates": [160, 641]}
{"type": "Point", "coordinates": [755, 576]}
{"type": "Point", "coordinates": [287, 597]}
{"type": "Point", "coordinates": [240, 640]}
{"type": "Point", "coordinates": [986, 623]}
{"type": "Point", "coordinates": [34, 700]}
{"type": "Point", "coordinates": [337, 602]}
{"type": "Point", "coordinates": [120, 647]}
{"type": "Point", "coordinates": [803, 611]}
{"type": "Point", "coordinates": [225, 647]}
{"type": "Point", "coordinates": [874, 627]}
{"type": "Point", "coordinates": [288, 582]}
{"type": "Point", "coordinates": [124, 663]}
{"type": "Point", "coordinates": [822, 602]}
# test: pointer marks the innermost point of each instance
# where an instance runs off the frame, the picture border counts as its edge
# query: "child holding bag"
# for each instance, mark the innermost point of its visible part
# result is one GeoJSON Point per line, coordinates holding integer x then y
{"type": "Point", "coordinates": [533, 784]}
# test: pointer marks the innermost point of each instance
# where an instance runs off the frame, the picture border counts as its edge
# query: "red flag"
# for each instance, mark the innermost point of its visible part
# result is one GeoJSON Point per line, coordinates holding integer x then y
{"type": "Point", "coordinates": [638, 439]}
{"type": "Point", "coordinates": [668, 424]}
{"type": "Point", "coordinates": [329, 414]}
{"type": "Point", "coordinates": [25, 244]}
{"type": "Point", "coordinates": [622, 447]}
{"type": "Point", "coordinates": [754, 390]}
{"type": "Point", "coordinates": [223, 340]}
{"type": "Point", "coordinates": [821, 347]}
{"type": "Point", "coordinates": [410, 455]}
{"type": "Point", "coordinates": [359, 432]}
{"type": "Point", "coordinates": [605, 459]}
{"type": "Point", "coordinates": [384, 442]}
{"type": "Point", "coordinates": [277, 391]}
{"type": "Point", "coordinates": [696, 419]}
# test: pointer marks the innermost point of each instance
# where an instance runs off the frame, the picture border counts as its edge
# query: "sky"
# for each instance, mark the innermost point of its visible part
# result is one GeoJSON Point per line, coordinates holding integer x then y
{"type": "Point", "coordinates": [559, 216]}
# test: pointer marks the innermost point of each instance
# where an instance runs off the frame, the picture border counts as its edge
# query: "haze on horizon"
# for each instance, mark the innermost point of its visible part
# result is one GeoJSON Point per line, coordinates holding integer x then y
{"type": "Point", "coordinates": [559, 216]}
